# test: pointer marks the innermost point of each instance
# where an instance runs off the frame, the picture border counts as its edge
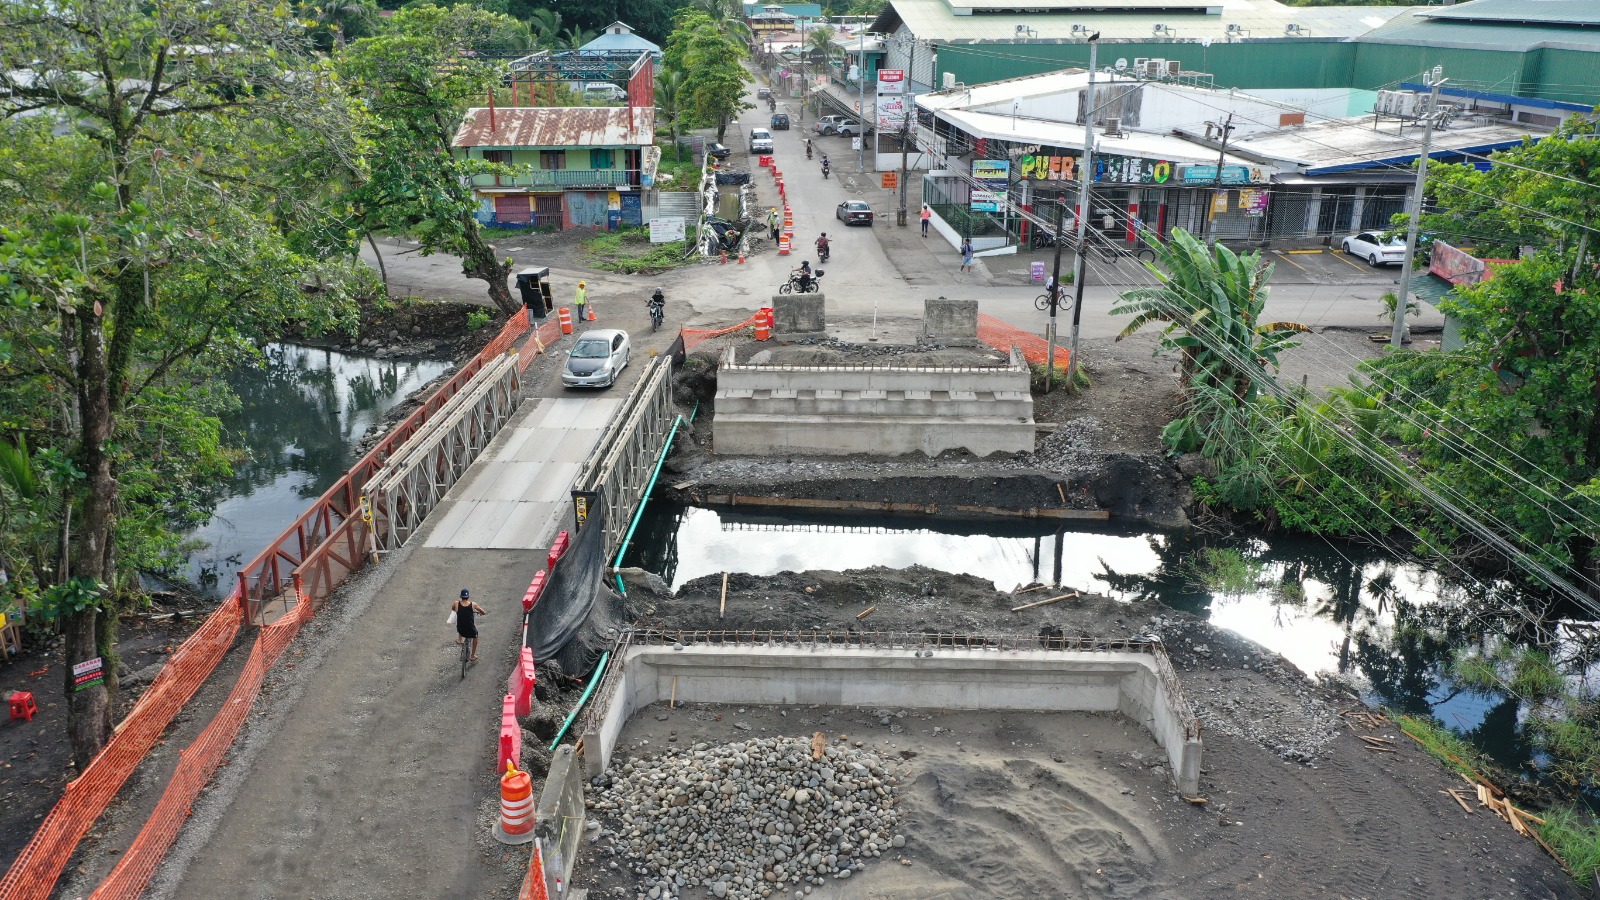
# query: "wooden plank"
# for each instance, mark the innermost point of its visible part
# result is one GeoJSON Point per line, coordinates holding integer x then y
{"type": "Point", "coordinates": [1044, 602]}
{"type": "Point", "coordinates": [819, 743]}
{"type": "Point", "coordinates": [865, 612]}
{"type": "Point", "coordinates": [1098, 515]}
{"type": "Point", "coordinates": [724, 608]}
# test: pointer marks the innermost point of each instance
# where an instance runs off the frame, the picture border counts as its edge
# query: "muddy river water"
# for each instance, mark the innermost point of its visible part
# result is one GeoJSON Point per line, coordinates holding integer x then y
{"type": "Point", "coordinates": [1325, 606]}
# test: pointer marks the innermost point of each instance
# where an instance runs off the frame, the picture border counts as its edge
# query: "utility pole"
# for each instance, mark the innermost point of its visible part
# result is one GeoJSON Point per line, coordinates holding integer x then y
{"type": "Point", "coordinates": [1397, 335]}
{"type": "Point", "coordinates": [1085, 176]}
{"type": "Point", "coordinates": [1216, 185]}
{"type": "Point", "coordinates": [905, 127]}
{"type": "Point", "coordinates": [1055, 290]}
{"type": "Point", "coordinates": [861, 98]}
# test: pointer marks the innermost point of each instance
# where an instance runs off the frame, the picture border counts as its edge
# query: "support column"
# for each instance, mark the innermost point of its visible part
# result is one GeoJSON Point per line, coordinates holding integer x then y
{"type": "Point", "coordinates": [1314, 212]}
{"type": "Point", "coordinates": [1357, 207]}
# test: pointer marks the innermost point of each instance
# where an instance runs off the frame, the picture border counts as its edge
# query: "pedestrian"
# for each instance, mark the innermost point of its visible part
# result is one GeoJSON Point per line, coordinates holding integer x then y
{"type": "Point", "coordinates": [772, 223]}
{"type": "Point", "coordinates": [581, 301]}
{"type": "Point", "coordinates": [966, 254]}
{"type": "Point", "coordinates": [927, 214]}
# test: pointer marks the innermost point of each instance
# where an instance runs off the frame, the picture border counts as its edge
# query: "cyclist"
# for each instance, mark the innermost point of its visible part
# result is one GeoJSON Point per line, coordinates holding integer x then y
{"type": "Point", "coordinates": [466, 619]}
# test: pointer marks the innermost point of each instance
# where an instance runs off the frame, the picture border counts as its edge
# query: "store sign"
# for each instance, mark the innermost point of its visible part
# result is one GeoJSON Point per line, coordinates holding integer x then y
{"type": "Point", "coordinates": [891, 81]}
{"type": "Point", "coordinates": [667, 228]}
{"type": "Point", "coordinates": [1132, 170]}
{"type": "Point", "coordinates": [1204, 174]}
{"type": "Point", "coordinates": [892, 112]}
{"type": "Point", "coordinates": [87, 674]}
{"type": "Point", "coordinates": [1048, 168]}
{"type": "Point", "coordinates": [993, 180]}
{"type": "Point", "coordinates": [1254, 203]}
{"type": "Point", "coordinates": [986, 201]}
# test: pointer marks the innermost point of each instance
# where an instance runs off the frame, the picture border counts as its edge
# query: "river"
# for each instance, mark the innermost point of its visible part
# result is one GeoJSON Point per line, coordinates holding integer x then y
{"type": "Point", "coordinates": [1326, 606]}
{"type": "Point", "coordinates": [302, 412]}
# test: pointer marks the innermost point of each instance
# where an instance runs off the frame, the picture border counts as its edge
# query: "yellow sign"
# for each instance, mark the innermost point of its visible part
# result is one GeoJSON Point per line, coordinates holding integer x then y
{"type": "Point", "coordinates": [891, 180]}
{"type": "Point", "coordinates": [366, 509]}
{"type": "Point", "coordinates": [583, 508]}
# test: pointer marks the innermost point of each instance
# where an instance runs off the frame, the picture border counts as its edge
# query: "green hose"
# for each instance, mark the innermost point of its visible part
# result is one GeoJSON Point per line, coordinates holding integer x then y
{"type": "Point", "coordinates": [643, 501]}
{"type": "Point", "coordinates": [593, 683]}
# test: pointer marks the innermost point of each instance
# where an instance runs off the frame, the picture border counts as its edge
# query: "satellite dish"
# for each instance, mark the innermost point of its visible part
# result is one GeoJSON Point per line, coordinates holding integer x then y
{"type": "Point", "coordinates": [1122, 63]}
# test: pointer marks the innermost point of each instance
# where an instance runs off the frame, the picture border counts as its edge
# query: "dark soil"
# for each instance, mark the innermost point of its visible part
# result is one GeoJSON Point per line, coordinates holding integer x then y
{"type": "Point", "coordinates": [1294, 804]}
{"type": "Point", "coordinates": [36, 757]}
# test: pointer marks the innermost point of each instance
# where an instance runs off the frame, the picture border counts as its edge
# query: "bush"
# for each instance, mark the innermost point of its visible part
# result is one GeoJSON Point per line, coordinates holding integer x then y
{"type": "Point", "coordinates": [1575, 837]}
{"type": "Point", "coordinates": [477, 319]}
{"type": "Point", "coordinates": [629, 252]}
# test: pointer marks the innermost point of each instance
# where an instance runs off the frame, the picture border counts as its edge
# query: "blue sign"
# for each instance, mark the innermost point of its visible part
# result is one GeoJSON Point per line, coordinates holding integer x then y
{"type": "Point", "coordinates": [1208, 175]}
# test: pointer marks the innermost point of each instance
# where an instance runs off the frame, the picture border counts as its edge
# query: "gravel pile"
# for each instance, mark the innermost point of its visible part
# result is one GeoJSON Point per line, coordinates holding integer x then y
{"type": "Point", "coordinates": [1069, 449]}
{"type": "Point", "coordinates": [753, 819]}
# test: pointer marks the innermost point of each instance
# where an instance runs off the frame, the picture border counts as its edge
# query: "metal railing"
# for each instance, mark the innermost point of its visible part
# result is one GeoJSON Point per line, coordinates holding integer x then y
{"type": "Point", "coordinates": [561, 178]}
{"type": "Point", "coordinates": [622, 464]}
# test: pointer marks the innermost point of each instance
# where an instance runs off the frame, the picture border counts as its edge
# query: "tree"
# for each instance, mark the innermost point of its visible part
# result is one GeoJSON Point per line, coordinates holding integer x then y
{"type": "Point", "coordinates": [670, 99]}
{"type": "Point", "coordinates": [339, 21]}
{"type": "Point", "coordinates": [418, 79]}
{"type": "Point", "coordinates": [709, 62]}
{"type": "Point", "coordinates": [193, 223]}
{"type": "Point", "coordinates": [544, 28]}
{"type": "Point", "coordinates": [727, 16]}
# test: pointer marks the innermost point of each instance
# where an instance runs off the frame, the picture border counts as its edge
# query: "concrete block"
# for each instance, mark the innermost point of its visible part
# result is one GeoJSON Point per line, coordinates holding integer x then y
{"type": "Point", "coordinates": [829, 395]}
{"type": "Point", "coordinates": [799, 317]}
{"type": "Point", "coordinates": [953, 323]}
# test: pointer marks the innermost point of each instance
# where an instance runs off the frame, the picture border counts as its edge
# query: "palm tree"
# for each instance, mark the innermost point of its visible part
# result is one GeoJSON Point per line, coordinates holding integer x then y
{"type": "Point", "coordinates": [671, 97]}
{"type": "Point", "coordinates": [344, 19]}
{"type": "Point", "coordinates": [544, 28]}
{"type": "Point", "coordinates": [574, 38]}
{"type": "Point", "coordinates": [728, 16]}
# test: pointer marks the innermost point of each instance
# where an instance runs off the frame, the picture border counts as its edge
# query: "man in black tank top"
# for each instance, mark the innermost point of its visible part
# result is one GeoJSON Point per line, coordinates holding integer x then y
{"type": "Point", "coordinates": [467, 614]}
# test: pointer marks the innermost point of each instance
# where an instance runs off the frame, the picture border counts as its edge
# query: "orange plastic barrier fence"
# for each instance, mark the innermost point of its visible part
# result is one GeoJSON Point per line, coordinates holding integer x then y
{"type": "Point", "coordinates": [341, 552]}
{"type": "Point", "coordinates": [34, 872]}
{"type": "Point", "coordinates": [533, 887]}
{"type": "Point", "coordinates": [542, 337]}
{"type": "Point", "coordinates": [1003, 336]}
{"type": "Point", "coordinates": [694, 337]}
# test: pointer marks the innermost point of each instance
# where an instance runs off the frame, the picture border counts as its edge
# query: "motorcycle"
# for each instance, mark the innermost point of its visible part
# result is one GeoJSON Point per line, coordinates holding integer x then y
{"type": "Point", "coordinates": [658, 314]}
{"type": "Point", "coordinates": [808, 149]}
{"type": "Point", "coordinates": [795, 286]}
{"type": "Point", "coordinates": [822, 252]}
{"type": "Point", "coordinates": [772, 105]}
{"type": "Point", "coordinates": [824, 168]}
{"type": "Point", "coordinates": [1042, 238]}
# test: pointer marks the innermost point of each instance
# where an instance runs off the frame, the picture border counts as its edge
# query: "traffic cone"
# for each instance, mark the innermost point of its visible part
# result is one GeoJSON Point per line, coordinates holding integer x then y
{"type": "Point", "coordinates": [515, 825]}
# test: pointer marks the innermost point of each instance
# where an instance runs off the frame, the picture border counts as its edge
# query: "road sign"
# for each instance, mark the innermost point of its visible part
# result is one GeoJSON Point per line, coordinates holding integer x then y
{"type": "Point", "coordinates": [891, 180]}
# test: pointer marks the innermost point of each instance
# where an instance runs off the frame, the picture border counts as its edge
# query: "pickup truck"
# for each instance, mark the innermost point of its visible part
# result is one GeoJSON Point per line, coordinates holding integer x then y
{"type": "Point", "coordinates": [843, 126]}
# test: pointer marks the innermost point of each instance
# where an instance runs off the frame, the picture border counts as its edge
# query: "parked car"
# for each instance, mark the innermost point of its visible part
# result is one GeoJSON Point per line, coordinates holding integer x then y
{"type": "Point", "coordinates": [596, 359]}
{"type": "Point", "coordinates": [717, 151]}
{"type": "Point", "coordinates": [760, 140]}
{"type": "Point", "coordinates": [603, 92]}
{"type": "Point", "coordinates": [854, 212]}
{"type": "Point", "coordinates": [780, 122]}
{"type": "Point", "coordinates": [1375, 249]}
{"type": "Point", "coordinates": [844, 126]}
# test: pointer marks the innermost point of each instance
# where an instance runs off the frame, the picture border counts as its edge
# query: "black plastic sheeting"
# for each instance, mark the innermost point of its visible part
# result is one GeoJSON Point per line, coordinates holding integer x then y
{"type": "Point", "coordinates": [570, 592]}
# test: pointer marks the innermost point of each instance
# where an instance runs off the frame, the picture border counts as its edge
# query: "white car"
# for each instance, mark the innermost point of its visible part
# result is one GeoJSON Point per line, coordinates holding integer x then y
{"type": "Point", "coordinates": [1370, 246]}
{"type": "Point", "coordinates": [597, 358]}
{"type": "Point", "coordinates": [760, 140]}
{"type": "Point", "coordinates": [603, 92]}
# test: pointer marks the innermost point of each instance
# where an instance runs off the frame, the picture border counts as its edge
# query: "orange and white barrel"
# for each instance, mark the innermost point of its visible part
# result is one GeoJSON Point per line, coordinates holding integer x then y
{"type": "Point", "coordinates": [516, 807]}
{"type": "Point", "coordinates": [564, 316]}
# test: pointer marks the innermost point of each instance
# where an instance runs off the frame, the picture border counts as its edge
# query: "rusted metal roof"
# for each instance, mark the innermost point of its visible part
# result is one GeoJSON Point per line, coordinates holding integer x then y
{"type": "Point", "coordinates": [581, 126]}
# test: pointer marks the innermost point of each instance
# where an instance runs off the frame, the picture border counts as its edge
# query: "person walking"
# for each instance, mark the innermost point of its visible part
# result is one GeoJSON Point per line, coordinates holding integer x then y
{"type": "Point", "coordinates": [927, 215]}
{"type": "Point", "coordinates": [966, 254]}
{"type": "Point", "coordinates": [772, 223]}
{"type": "Point", "coordinates": [581, 301]}
{"type": "Point", "coordinates": [467, 614]}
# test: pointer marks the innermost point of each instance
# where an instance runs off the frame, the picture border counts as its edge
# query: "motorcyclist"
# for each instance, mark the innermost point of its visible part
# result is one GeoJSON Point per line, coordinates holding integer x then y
{"type": "Point", "coordinates": [657, 306]}
{"type": "Point", "coordinates": [824, 165]}
{"type": "Point", "coordinates": [803, 276]}
{"type": "Point", "coordinates": [657, 299]}
{"type": "Point", "coordinates": [822, 247]}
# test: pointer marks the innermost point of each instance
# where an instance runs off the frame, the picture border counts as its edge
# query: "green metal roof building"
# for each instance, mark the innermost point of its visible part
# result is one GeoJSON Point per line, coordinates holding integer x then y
{"type": "Point", "coordinates": [1548, 49]}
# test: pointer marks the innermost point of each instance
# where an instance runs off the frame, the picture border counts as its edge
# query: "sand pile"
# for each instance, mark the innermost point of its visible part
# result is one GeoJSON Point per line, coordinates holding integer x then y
{"type": "Point", "coordinates": [758, 818]}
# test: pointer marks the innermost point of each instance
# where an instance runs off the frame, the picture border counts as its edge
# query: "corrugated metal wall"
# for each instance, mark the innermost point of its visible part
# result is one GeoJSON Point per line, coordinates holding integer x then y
{"type": "Point", "coordinates": [1298, 63]}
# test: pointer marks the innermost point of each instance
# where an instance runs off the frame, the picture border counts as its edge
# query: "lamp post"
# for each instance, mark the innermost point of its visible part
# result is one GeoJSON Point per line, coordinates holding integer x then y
{"type": "Point", "coordinates": [1085, 176]}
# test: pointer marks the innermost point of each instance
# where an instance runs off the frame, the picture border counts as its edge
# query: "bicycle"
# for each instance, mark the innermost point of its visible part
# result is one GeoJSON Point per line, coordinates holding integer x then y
{"type": "Point", "coordinates": [466, 656]}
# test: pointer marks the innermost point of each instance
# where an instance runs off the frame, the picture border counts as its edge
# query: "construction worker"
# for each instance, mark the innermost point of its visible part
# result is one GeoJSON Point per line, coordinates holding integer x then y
{"type": "Point", "coordinates": [581, 301]}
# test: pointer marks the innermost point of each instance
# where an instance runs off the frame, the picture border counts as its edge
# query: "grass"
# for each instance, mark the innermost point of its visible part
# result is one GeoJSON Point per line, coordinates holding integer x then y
{"type": "Point", "coordinates": [1224, 571]}
{"type": "Point", "coordinates": [629, 251]}
{"type": "Point", "coordinates": [1058, 379]}
{"type": "Point", "coordinates": [1533, 674]}
{"type": "Point", "coordinates": [1575, 837]}
{"type": "Point", "coordinates": [1441, 743]}
{"type": "Point", "coordinates": [685, 173]}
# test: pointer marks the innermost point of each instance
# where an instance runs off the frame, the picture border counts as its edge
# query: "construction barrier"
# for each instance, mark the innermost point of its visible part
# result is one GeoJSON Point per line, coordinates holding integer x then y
{"type": "Point", "coordinates": [515, 825]}
{"type": "Point", "coordinates": [1003, 336]}
{"type": "Point", "coordinates": [564, 316]}
{"type": "Point", "coordinates": [520, 684]}
{"type": "Point", "coordinates": [694, 337]}
{"type": "Point", "coordinates": [535, 588]}
{"type": "Point", "coordinates": [783, 246]}
{"type": "Point", "coordinates": [558, 547]}
{"type": "Point", "coordinates": [764, 324]}
{"type": "Point", "coordinates": [510, 734]}
{"type": "Point", "coordinates": [314, 547]}
{"type": "Point", "coordinates": [533, 886]}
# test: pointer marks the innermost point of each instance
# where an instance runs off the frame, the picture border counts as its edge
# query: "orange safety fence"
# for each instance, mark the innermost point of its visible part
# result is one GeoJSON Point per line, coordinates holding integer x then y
{"type": "Point", "coordinates": [1003, 336]}
{"type": "Point", "coordinates": [543, 336]}
{"type": "Point", "coordinates": [325, 565]}
{"type": "Point", "coordinates": [694, 337]}
{"type": "Point", "coordinates": [34, 872]}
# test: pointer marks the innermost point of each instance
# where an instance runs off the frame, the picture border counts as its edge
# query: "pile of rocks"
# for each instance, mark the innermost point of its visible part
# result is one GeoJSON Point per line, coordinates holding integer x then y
{"type": "Point", "coordinates": [759, 818]}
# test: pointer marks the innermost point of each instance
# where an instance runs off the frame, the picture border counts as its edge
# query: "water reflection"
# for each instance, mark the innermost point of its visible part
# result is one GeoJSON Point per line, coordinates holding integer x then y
{"type": "Point", "coordinates": [302, 410]}
{"type": "Point", "coordinates": [1384, 622]}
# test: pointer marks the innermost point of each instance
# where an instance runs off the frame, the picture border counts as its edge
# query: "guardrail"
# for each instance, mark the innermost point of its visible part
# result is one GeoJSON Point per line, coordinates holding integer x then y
{"type": "Point", "coordinates": [620, 469]}
{"type": "Point", "coordinates": [268, 576]}
{"type": "Point", "coordinates": [562, 178]}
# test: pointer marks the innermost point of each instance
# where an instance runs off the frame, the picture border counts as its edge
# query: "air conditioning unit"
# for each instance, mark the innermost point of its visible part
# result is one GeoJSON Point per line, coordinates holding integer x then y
{"type": "Point", "coordinates": [1174, 67]}
{"type": "Point", "coordinates": [949, 80]}
{"type": "Point", "coordinates": [1405, 103]}
{"type": "Point", "coordinates": [1138, 63]}
{"type": "Point", "coordinates": [1114, 126]}
{"type": "Point", "coordinates": [1233, 28]}
{"type": "Point", "coordinates": [1154, 67]}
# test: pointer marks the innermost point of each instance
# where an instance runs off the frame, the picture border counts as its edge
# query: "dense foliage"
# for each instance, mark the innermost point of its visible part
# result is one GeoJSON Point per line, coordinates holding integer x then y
{"type": "Point", "coordinates": [704, 53]}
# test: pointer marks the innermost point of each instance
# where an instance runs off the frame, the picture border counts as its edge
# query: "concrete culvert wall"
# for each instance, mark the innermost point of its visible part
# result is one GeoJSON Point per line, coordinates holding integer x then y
{"type": "Point", "coordinates": [1135, 682]}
